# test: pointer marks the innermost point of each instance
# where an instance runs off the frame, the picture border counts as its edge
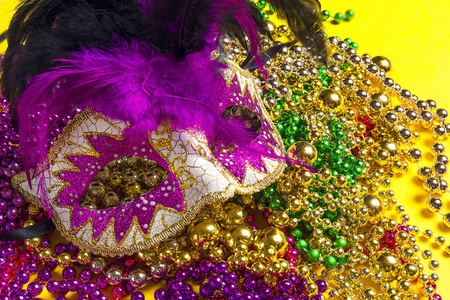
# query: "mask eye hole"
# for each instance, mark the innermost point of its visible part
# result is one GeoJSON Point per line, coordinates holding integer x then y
{"type": "Point", "coordinates": [250, 119]}
{"type": "Point", "coordinates": [121, 181]}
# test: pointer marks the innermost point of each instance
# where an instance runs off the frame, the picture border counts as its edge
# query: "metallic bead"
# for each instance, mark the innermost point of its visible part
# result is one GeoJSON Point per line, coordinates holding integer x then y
{"type": "Point", "coordinates": [374, 206]}
{"type": "Point", "coordinates": [342, 45]}
{"type": "Point", "coordinates": [391, 117]}
{"type": "Point", "coordinates": [366, 60]}
{"type": "Point", "coordinates": [333, 40]}
{"type": "Point", "coordinates": [362, 94]}
{"type": "Point", "coordinates": [431, 104]}
{"type": "Point", "coordinates": [382, 97]}
{"type": "Point", "coordinates": [440, 240]}
{"type": "Point", "coordinates": [314, 73]}
{"type": "Point", "coordinates": [334, 69]}
{"type": "Point", "coordinates": [426, 116]}
{"type": "Point", "coordinates": [298, 64]}
{"type": "Point", "coordinates": [283, 90]}
{"type": "Point", "coordinates": [98, 265]}
{"type": "Point", "coordinates": [397, 88]}
{"type": "Point", "coordinates": [337, 57]}
{"type": "Point", "coordinates": [440, 169]}
{"type": "Point", "coordinates": [285, 68]}
{"type": "Point", "coordinates": [350, 51]}
{"type": "Point", "coordinates": [133, 189]}
{"type": "Point", "coordinates": [405, 94]}
{"type": "Point", "coordinates": [433, 264]}
{"type": "Point", "coordinates": [409, 270]}
{"type": "Point", "coordinates": [434, 277]}
{"type": "Point", "coordinates": [63, 260]}
{"type": "Point", "coordinates": [411, 115]}
{"type": "Point", "coordinates": [375, 105]}
{"type": "Point", "coordinates": [446, 219]}
{"type": "Point", "coordinates": [303, 73]}
{"type": "Point", "coordinates": [271, 237]}
{"type": "Point", "coordinates": [96, 189]}
{"type": "Point", "coordinates": [387, 264]}
{"type": "Point", "coordinates": [138, 278]}
{"type": "Point", "coordinates": [83, 257]}
{"type": "Point", "coordinates": [103, 174]}
{"type": "Point", "coordinates": [431, 184]}
{"type": "Point", "coordinates": [437, 148]}
{"type": "Point", "coordinates": [111, 199]}
{"type": "Point", "coordinates": [415, 155]}
{"type": "Point", "coordinates": [422, 105]}
{"type": "Point", "coordinates": [355, 59]}
{"type": "Point", "coordinates": [405, 134]}
{"type": "Point", "coordinates": [389, 82]}
{"type": "Point", "coordinates": [372, 68]}
{"type": "Point", "coordinates": [270, 102]}
{"type": "Point", "coordinates": [203, 232]}
{"type": "Point", "coordinates": [439, 131]}
{"type": "Point", "coordinates": [130, 176]}
{"type": "Point", "coordinates": [239, 234]}
{"type": "Point", "coordinates": [390, 147]}
{"type": "Point", "coordinates": [114, 276]}
{"type": "Point", "coordinates": [302, 151]}
{"type": "Point", "coordinates": [151, 179]}
{"type": "Point", "coordinates": [383, 63]}
{"type": "Point", "coordinates": [331, 99]}
{"type": "Point", "coordinates": [348, 82]}
{"type": "Point", "coordinates": [442, 159]}
{"type": "Point", "coordinates": [434, 204]}
{"type": "Point", "coordinates": [158, 270]}
{"type": "Point", "coordinates": [399, 109]}
{"type": "Point", "coordinates": [443, 186]}
{"type": "Point", "coordinates": [297, 49]}
{"type": "Point", "coordinates": [441, 113]}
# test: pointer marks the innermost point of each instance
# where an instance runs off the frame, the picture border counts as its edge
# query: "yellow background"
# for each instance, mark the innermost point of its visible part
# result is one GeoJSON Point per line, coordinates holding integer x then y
{"type": "Point", "coordinates": [414, 35]}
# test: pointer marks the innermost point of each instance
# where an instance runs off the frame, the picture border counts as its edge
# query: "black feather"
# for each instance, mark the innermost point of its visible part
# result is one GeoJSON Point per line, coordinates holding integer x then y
{"type": "Point", "coordinates": [305, 21]}
{"type": "Point", "coordinates": [44, 30]}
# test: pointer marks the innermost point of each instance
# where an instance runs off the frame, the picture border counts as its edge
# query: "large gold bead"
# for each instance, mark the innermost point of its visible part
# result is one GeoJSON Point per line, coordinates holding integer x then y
{"type": "Point", "coordinates": [302, 151]}
{"type": "Point", "coordinates": [239, 234]}
{"type": "Point", "coordinates": [324, 174]}
{"type": "Point", "coordinates": [311, 289]}
{"type": "Point", "coordinates": [374, 206]}
{"type": "Point", "coordinates": [204, 232]}
{"type": "Point", "coordinates": [271, 237]}
{"type": "Point", "coordinates": [183, 259]}
{"type": "Point", "coordinates": [331, 99]}
{"type": "Point", "coordinates": [409, 271]}
{"type": "Point", "coordinates": [83, 257]}
{"type": "Point", "coordinates": [63, 260]}
{"type": "Point", "coordinates": [302, 270]}
{"type": "Point", "coordinates": [387, 264]}
{"type": "Point", "coordinates": [46, 254]}
{"type": "Point", "coordinates": [382, 97]}
{"type": "Point", "coordinates": [258, 267]}
{"type": "Point", "coordinates": [235, 214]}
{"type": "Point", "coordinates": [268, 254]}
{"type": "Point", "coordinates": [369, 294]}
{"type": "Point", "coordinates": [383, 63]}
{"type": "Point", "coordinates": [390, 147]}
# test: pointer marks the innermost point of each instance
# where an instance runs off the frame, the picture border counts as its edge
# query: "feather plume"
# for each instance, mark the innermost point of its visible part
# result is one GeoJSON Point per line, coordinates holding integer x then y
{"type": "Point", "coordinates": [132, 82]}
{"type": "Point", "coordinates": [304, 19]}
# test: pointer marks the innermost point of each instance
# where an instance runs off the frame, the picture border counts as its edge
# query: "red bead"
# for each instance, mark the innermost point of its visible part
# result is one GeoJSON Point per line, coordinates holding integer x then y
{"type": "Point", "coordinates": [118, 292]}
{"type": "Point", "coordinates": [129, 263]}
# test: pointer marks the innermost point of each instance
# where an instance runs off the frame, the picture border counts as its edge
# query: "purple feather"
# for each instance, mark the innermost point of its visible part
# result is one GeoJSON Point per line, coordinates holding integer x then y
{"type": "Point", "coordinates": [131, 82]}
